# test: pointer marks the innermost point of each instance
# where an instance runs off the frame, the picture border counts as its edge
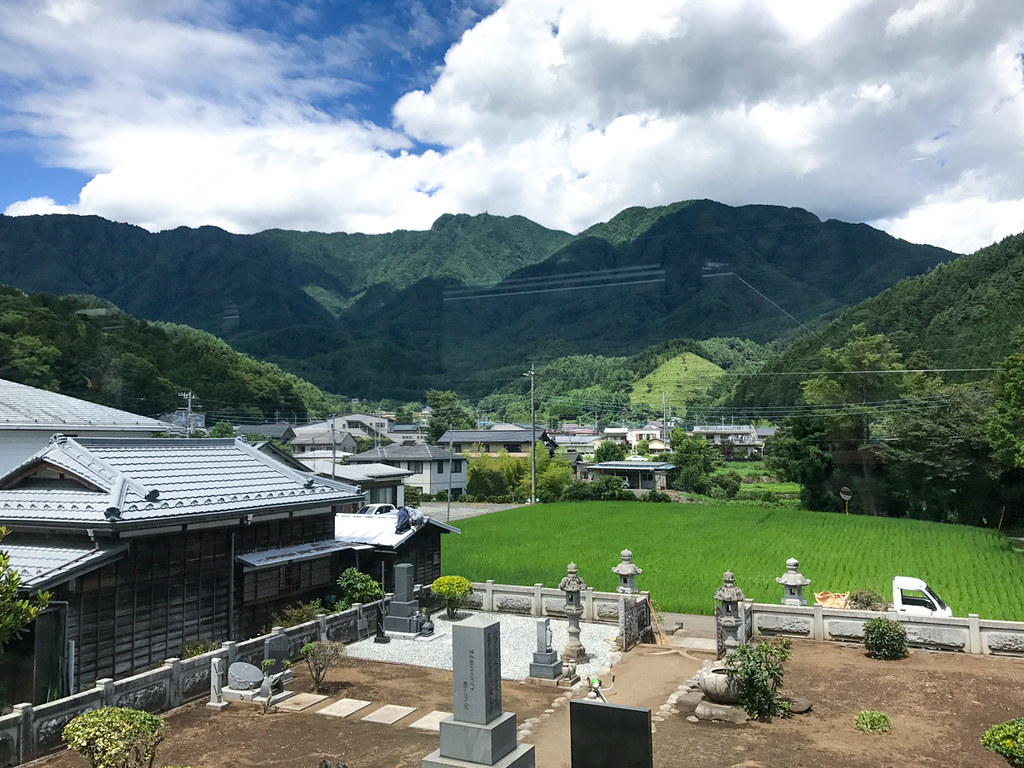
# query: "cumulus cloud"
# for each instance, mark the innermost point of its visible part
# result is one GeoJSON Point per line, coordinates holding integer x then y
{"type": "Point", "coordinates": [904, 114]}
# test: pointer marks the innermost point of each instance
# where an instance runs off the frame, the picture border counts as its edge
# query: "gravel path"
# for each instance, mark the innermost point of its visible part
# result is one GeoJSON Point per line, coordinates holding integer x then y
{"type": "Point", "coordinates": [518, 642]}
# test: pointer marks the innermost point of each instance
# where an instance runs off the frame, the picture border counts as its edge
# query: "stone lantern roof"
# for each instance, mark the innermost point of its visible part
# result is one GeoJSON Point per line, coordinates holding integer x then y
{"type": "Point", "coordinates": [729, 592]}
{"type": "Point", "coordinates": [792, 578]}
{"type": "Point", "coordinates": [572, 582]}
{"type": "Point", "coordinates": [627, 567]}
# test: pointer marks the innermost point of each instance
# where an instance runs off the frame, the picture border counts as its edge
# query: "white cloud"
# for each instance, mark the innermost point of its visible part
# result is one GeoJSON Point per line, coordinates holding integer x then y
{"type": "Point", "coordinates": [898, 113]}
{"type": "Point", "coordinates": [36, 206]}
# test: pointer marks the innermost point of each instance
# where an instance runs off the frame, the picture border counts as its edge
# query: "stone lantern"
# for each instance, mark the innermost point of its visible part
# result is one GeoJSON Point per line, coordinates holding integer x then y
{"type": "Point", "coordinates": [627, 573]}
{"type": "Point", "coordinates": [729, 624]}
{"type": "Point", "coordinates": [794, 582]}
{"type": "Point", "coordinates": [572, 585]}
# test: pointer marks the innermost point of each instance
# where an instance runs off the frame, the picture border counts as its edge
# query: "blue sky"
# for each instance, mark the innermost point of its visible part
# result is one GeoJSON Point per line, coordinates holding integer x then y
{"type": "Point", "coordinates": [375, 116]}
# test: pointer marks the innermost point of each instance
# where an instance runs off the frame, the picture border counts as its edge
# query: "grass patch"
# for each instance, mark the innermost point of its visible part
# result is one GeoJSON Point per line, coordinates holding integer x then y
{"type": "Point", "coordinates": [681, 379]}
{"type": "Point", "coordinates": [685, 548]}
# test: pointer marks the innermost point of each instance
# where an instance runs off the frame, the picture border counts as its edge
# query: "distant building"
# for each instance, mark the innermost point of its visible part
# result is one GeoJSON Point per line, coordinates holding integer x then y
{"type": "Point", "coordinates": [429, 465]}
{"type": "Point", "coordinates": [638, 475]}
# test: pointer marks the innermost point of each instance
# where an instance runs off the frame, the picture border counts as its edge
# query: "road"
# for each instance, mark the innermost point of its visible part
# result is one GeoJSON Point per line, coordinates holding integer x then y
{"type": "Point", "coordinates": [439, 510]}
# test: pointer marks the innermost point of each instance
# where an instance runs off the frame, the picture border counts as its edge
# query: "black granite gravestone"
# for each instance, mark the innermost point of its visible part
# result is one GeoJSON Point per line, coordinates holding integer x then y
{"type": "Point", "coordinates": [609, 735]}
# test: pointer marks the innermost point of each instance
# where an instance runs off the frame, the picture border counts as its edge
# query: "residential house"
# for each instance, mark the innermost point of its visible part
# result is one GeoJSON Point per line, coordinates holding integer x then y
{"type": "Point", "coordinates": [29, 417]}
{"type": "Point", "coordinates": [647, 432]}
{"type": "Point", "coordinates": [638, 474]}
{"type": "Point", "coordinates": [585, 445]}
{"type": "Point", "coordinates": [147, 543]}
{"type": "Point", "coordinates": [615, 434]}
{"type": "Point", "coordinates": [429, 464]}
{"type": "Point", "coordinates": [380, 483]}
{"type": "Point", "coordinates": [281, 431]}
{"type": "Point", "coordinates": [478, 441]}
{"type": "Point", "coordinates": [320, 437]}
{"type": "Point", "coordinates": [407, 434]}
{"type": "Point", "coordinates": [740, 441]}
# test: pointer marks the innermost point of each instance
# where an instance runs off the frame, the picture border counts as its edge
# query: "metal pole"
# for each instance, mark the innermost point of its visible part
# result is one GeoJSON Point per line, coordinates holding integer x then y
{"type": "Point", "coordinates": [533, 442]}
{"type": "Point", "coordinates": [451, 460]}
{"type": "Point", "coordinates": [334, 445]}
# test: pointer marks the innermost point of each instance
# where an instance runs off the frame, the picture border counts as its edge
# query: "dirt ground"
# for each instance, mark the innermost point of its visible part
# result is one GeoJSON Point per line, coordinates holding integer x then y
{"type": "Point", "coordinates": [940, 704]}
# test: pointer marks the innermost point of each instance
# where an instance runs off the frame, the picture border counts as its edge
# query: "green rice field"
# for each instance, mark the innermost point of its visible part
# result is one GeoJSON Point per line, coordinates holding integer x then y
{"type": "Point", "coordinates": [685, 548]}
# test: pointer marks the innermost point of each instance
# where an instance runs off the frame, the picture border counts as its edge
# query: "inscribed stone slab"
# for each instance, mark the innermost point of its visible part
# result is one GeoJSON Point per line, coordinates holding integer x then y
{"type": "Point", "coordinates": [431, 721]}
{"type": "Point", "coordinates": [388, 714]}
{"type": "Point", "coordinates": [300, 701]}
{"type": "Point", "coordinates": [476, 670]}
{"type": "Point", "coordinates": [609, 735]}
{"type": "Point", "coordinates": [343, 707]}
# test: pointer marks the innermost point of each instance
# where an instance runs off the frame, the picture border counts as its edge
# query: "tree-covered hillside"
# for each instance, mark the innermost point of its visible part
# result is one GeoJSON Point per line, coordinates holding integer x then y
{"type": "Point", "coordinates": [87, 348]}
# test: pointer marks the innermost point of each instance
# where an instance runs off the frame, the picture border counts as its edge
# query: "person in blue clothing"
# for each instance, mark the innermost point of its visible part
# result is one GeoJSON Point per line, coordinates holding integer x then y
{"type": "Point", "coordinates": [403, 520]}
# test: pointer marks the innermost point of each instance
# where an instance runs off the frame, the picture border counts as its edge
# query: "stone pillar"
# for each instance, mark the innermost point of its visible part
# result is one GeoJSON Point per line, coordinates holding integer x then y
{"type": "Point", "coordinates": [572, 585]}
{"type": "Point", "coordinates": [26, 732]}
{"type": "Point", "coordinates": [404, 614]}
{"type": "Point", "coordinates": [793, 583]}
{"type": "Point", "coordinates": [728, 622]}
{"type": "Point", "coordinates": [627, 573]}
{"type": "Point", "coordinates": [546, 664]}
{"type": "Point", "coordinates": [478, 732]}
{"type": "Point", "coordinates": [216, 701]}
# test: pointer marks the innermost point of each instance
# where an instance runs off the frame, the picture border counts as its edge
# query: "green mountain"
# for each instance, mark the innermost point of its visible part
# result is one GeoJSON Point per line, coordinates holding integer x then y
{"type": "Point", "coordinates": [960, 315]}
{"type": "Point", "coordinates": [469, 302]}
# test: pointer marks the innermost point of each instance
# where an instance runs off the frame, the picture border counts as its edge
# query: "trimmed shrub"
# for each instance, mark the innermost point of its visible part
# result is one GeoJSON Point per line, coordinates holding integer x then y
{"type": "Point", "coordinates": [1007, 739]}
{"type": "Point", "coordinates": [885, 639]}
{"type": "Point", "coordinates": [656, 497]}
{"type": "Point", "coordinates": [867, 600]}
{"type": "Point", "coordinates": [452, 591]}
{"type": "Point", "coordinates": [320, 657]}
{"type": "Point", "coordinates": [356, 587]}
{"type": "Point", "coordinates": [115, 736]}
{"type": "Point", "coordinates": [757, 670]}
{"type": "Point", "coordinates": [872, 721]}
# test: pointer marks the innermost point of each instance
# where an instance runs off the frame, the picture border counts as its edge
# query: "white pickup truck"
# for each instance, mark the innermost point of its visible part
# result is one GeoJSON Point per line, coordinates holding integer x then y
{"type": "Point", "coordinates": [913, 597]}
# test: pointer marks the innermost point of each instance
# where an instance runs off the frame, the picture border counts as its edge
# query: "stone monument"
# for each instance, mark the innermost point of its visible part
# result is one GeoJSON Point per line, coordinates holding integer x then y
{"type": "Point", "coordinates": [572, 585]}
{"type": "Point", "coordinates": [478, 732]}
{"type": "Point", "coordinates": [627, 572]}
{"type": "Point", "coordinates": [404, 618]}
{"type": "Point", "coordinates": [216, 687]}
{"type": "Point", "coordinates": [546, 667]}
{"type": "Point", "coordinates": [603, 735]}
{"type": "Point", "coordinates": [793, 583]}
{"type": "Point", "coordinates": [731, 616]}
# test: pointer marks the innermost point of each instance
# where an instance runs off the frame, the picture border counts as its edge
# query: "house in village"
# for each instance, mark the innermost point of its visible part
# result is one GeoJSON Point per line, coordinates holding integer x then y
{"type": "Point", "coordinates": [477, 441]}
{"type": "Point", "coordinates": [147, 543]}
{"type": "Point", "coordinates": [638, 475]}
{"type": "Point", "coordinates": [583, 445]}
{"type": "Point", "coordinates": [29, 417]}
{"type": "Point", "coordinates": [429, 464]}
{"type": "Point", "coordinates": [320, 437]}
{"type": "Point", "coordinates": [280, 431]}
{"type": "Point", "coordinates": [741, 441]}
{"type": "Point", "coordinates": [380, 483]}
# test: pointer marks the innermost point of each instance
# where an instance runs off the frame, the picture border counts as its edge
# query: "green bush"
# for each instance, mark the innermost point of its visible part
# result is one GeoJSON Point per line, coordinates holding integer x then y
{"type": "Point", "coordinates": [757, 670]}
{"type": "Point", "coordinates": [605, 488]}
{"type": "Point", "coordinates": [1007, 739]}
{"type": "Point", "coordinates": [656, 497]}
{"type": "Point", "coordinates": [867, 600]}
{"type": "Point", "coordinates": [452, 591]}
{"type": "Point", "coordinates": [197, 647]}
{"type": "Point", "coordinates": [357, 587]}
{"type": "Point", "coordinates": [115, 737]}
{"type": "Point", "coordinates": [872, 721]}
{"type": "Point", "coordinates": [885, 639]}
{"type": "Point", "coordinates": [299, 613]}
{"type": "Point", "coordinates": [320, 657]}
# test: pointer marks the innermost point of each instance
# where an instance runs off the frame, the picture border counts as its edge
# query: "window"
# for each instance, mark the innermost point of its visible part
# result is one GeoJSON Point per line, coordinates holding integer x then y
{"type": "Point", "coordinates": [457, 447]}
{"type": "Point", "coordinates": [439, 467]}
{"type": "Point", "coordinates": [456, 466]}
{"type": "Point", "coordinates": [514, 448]}
{"type": "Point", "coordinates": [416, 466]}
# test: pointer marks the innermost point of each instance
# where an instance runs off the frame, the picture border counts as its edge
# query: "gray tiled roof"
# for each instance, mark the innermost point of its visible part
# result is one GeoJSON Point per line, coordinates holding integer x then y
{"type": "Point", "coordinates": [41, 561]}
{"type": "Point", "coordinates": [191, 478]}
{"type": "Point", "coordinates": [24, 407]}
{"type": "Point", "coordinates": [419, 452]}
{"type": "Point", "coordinates": [465, 436]}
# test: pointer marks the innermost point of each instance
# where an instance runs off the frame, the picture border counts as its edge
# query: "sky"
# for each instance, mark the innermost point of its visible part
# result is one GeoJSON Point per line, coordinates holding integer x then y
{"type": "Point", "coordinates": [374, 116]}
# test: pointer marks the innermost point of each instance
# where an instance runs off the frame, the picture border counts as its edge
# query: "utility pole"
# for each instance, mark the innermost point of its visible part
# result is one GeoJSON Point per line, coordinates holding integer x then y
{"type": "Point", "coordinates": [188, 411]}
{"type": "Point", "coordinates": [533, 439]}
{"type": "Point", "coordinates": [334, 445]}
{"type": "Point", "coordinates": [664, 419]}
{"type": "Point", "coordinates": [451, 462]}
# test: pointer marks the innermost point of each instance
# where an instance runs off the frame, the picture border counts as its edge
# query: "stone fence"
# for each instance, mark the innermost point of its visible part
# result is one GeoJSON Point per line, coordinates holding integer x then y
{"type": "Point", "coordinates": [969, 635]}
{"type": "Point", "coordinates": [30, 731]}
{"type": "Point", "coordinates": [538, 600]}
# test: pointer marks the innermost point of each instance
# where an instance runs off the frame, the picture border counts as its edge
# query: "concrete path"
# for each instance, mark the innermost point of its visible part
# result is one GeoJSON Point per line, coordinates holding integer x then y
{"type": "Point", "coordinates": [439, 510]}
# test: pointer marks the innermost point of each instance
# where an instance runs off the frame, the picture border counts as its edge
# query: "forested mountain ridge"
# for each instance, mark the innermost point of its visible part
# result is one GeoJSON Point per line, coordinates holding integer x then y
{"type": "Point", "coordinates": [465, 304]}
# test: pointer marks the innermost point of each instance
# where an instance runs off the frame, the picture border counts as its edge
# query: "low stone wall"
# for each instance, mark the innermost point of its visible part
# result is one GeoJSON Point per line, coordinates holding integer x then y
{"type": "Point", "coordinates": [964, 635]}
{"type": "Point", "coordinates": [30, 731]}
{"type": "Point", "coordinates": [538, 600]}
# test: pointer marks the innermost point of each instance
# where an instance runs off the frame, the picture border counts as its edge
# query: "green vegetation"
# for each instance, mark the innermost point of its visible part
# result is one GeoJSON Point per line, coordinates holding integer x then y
{"type": "Point", "coordinates": [197, 647]}
{"type": "Point", "coordinates": [320, 657]}
{"type": "Point", "coordinates": [297, 613]}
{"type": "Point", "coordinates": [681, 379]}
{"type": "Point", "coordinates": [1007, 739]}
{"type": "Point", "coordinates": [757, 670]}
{"type": "Point", "coordinates": [872, 721]}
{"type": "Point", "coordinates": [837, 552]}
{"type": "Point", "coordinates": [356, 587]}
{"type": "Point", "coordinates": [885, 639]}
{"type": "Point", "coordinates": [452, 591]}
{"type": "Point", "coordinates": [115, 737]}
{"type": "Point", "coordinates": [16, 613]}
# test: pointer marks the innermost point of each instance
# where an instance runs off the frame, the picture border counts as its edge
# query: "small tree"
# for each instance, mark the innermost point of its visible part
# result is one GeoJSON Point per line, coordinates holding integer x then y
{"type": "Point", "coordinates": [15, 613]}
{"type": "Point", "coordinates": [297, 613]}
{"type": "Point", "coordinates": [115, 737]}
{"type": "Point", "coordinates": [357, 587]}
{"type": "Point", "coordinates": [757, 670]}
{"type": "Point", "coordinates": [221, 429]}
{"type": "Point", "coordinates": [320, 657]}
{"type": "Point", "coordinates": [609, 451]}
{"type": "Point", "coordinates": [452, 590]}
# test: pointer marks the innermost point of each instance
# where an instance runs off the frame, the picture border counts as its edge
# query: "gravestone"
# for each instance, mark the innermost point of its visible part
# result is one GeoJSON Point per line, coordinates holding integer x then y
{"type": "Point", "coordinates": [404, 616]}
{"type": "Point", "coordinates": [545, 665]}
{"type": "Point", "coordinates": [216, 688]}
{"type": "Point", "coordinates": [243, 676]}
{"type": "Point", "coordinates": [606, 735]}
{"type": "Point", "coordinates": [478, 732]}
{"type": "Point", "coordinates": [277, 647]}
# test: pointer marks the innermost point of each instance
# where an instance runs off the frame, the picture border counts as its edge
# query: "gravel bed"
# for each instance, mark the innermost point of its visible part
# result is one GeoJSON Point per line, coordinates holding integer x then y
{"type": "Point", "coordinates": [518, 643]}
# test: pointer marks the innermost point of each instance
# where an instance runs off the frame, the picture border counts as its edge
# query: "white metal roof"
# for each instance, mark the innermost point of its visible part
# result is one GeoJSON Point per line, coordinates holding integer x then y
{"type": "Point", "coordinates": [378, 530]}
{"type": "Point", "coordinates": [24, 407]}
